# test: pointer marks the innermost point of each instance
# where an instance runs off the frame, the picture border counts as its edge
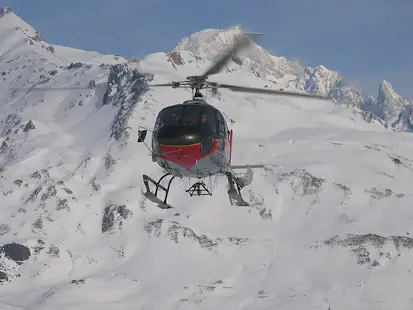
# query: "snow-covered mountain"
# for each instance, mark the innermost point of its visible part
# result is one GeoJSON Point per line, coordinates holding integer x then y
{"type": "Point", "coordinates": [329, 226]}
{"type": "Point", "coordinates": [209, 43]}
{"type": "Point", "coordinates": [389, 103]}
{"type": "Point", "coordinates": [320, 80]}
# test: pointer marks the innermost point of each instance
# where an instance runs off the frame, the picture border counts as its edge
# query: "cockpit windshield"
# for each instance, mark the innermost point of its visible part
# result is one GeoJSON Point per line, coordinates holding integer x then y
{"type": "Point", "coordinates": [187, 116]}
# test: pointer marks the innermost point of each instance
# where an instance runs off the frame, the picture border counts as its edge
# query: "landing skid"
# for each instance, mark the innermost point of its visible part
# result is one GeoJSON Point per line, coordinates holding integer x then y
{"type": "Point", "coordinates": [153, 196]}
{"type": "Point", "coordinates": [236, 183]}
{"type": "Point", "coordinates": [234, 192]}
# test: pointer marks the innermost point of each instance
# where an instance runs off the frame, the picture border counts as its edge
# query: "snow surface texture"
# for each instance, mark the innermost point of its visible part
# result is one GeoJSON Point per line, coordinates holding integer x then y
{"type": "Point", "coordinates": [329, 226]}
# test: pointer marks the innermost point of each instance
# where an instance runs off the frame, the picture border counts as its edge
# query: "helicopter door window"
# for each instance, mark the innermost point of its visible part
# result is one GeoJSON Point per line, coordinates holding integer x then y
{"type": "Point", "coordinates": [221, 126]}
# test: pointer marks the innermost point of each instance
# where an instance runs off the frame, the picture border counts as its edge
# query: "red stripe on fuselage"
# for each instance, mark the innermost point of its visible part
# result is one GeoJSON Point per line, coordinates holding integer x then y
{"type": "Point", "coordinates": [185, 156]}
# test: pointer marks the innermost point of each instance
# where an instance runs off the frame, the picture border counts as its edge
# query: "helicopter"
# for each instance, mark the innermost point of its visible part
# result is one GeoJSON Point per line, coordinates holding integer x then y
{"type": "Point", "coordinates": [192, 139]}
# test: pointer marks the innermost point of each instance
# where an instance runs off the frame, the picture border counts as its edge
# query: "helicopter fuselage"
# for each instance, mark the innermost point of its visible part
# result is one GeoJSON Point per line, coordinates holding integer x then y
{"type": "Point", "coordinates": [192, 140]}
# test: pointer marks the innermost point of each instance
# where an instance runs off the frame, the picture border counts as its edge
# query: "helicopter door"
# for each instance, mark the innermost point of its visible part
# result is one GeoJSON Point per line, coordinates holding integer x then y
{"type": "Point", "coordinates": [208, 133]}
{"type": "Point", "coordinates": [222, 131]}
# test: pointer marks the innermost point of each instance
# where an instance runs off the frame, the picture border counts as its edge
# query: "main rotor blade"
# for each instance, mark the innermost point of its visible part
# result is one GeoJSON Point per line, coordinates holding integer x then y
{"type": "Point", "coordinates": [269, 91]}
{"type": "Point", "coordinates": [242, 40]}
{"type": "Point", "coordinates": [162, 85]}
{"type": "Point", "coordinates": [33, 88]}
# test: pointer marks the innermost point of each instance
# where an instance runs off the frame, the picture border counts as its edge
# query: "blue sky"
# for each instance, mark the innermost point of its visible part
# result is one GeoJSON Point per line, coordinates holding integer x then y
{"type": "Point", "coordinates": [365, 40]}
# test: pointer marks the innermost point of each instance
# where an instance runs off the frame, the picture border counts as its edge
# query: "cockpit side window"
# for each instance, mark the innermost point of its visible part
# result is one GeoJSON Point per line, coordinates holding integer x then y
{"type": "Point", "coordinates": [222, 130]}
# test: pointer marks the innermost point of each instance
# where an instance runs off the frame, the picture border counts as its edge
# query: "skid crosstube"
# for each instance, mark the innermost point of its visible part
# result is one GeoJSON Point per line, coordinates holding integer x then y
{"type": "Point", "coordinates": [158, 186]}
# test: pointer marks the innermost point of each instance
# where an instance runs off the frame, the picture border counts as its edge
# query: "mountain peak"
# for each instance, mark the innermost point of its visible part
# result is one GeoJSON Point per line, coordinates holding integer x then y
{"type": "Point", "coordinates": [386, 86]}
{"type": "Point", "coordinates": [4, 11]}
{"type": "Point", "coordinates": [389, 102]}
{"type": "Point", "coordinates": [388, 95]}
{"type": "Point", "coordinates": [209, 43]}
{"type": "Point", "coordinates": [11, 22]}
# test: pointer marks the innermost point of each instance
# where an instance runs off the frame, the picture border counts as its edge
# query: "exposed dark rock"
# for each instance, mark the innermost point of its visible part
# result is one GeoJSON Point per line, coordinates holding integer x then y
{"type": "Point", "coordinates": [3, 276]}
{"type": "Point", "coordinates": [114, 213]}
{"type": "Point", "coordinates": [131, 85]}
{"type": "Point", "coordinates": [4, 229]}
{"type": "Point", "coordinates": [3, 146]}
{"type": "Point", "coordinates": [81, 281]}
{"type": "Point", "coordinates": [62, 204]}
{"type": "Point", "coordinates": [401, 241]}
{"type": "Point", "coordinates": [50, 48]}
{"type": "Point", "coordinates": [176, 230]}
{"type": "Point", "coordinates": [16, 252]}
{"type": "Point", "coordinates": [68, 191]}
{"type": "Point", "coordinates": [302, 182]}
{"type": "Point", "coordinates": [11, 122]}
{"type": "Point", "coordinates": [358, 243]}
{"type": "Point", "coordinates": [109, 161]}
{"type": "Point", "coordinates": [34, 194]}
{"type": "Point", "coordinates": [401, 161]}
{"type": "Point", "coordinates": [237, 60]}
{"type": "Point", "coordinates": [4, 11]}
{"type": "Point", "coordinates": [38, 224]}
{"type": "Point", "coordinates": [51, 191]}
{"type": "Point", "coordinates": [239, 241]}
{"type": "Point", "coordinates": [376, 194]}
{"type": "Point", "coordinates": [95, 186]}
{"type": "Point", "coordinates": [53, 251]}
{"type": "Point", "coordinates": [76, 65]}
{"type": "Point", "coordinates": [18, 182]}
{"type": "Point", "coordinates": [36, 175]}
{"type": "Point", "coordinates": [154, 228]}
{"type": "Point", "coordinates": [37, 37]}
{"type": "Point", "coordinates": [39, 247]}
{"type": "Point", "coordinates": [29, 126]}
{"type": "Point", "coordinates": [176, 58]}
{"type": "Point", "coordinates": [53, 72]}
{"type": "Point", "coordinates": [363, 256]}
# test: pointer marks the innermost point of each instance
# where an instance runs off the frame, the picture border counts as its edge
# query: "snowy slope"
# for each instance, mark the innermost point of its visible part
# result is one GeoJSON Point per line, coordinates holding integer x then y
{"type": "Point", "coordinates": [328, 228]}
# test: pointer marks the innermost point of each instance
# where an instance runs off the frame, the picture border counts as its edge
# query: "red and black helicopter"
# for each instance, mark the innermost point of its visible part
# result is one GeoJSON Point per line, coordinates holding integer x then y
{"type": "Point", "coordinates": [192, 139]}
